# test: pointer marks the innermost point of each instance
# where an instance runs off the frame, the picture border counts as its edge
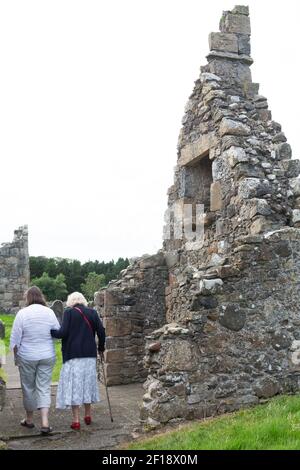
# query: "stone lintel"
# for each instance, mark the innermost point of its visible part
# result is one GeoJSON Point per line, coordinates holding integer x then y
{"type": "Point", "coordinates": [192, 153]}
{"type": "Point", "coordinates": [246, 59]}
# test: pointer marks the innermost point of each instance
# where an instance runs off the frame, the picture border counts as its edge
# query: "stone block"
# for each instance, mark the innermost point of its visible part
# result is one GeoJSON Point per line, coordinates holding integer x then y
{"type": "Point", "coordinates": [283, 151]}
{"type": "Point", "coordinates": [180, 355]}
{"type": "Point", "coordinates": [114, 355]}
{"type": "Point", "coordinates": [236, 155]}
{"type": "Point", "coordinates": [240, 10]}
{"type": "Point", "coordinates": [191, 153]}
{"type": "Point", "coordinates": [295, 186]}
{"type": "Point", "coordinates": [58, 309]}
{"type": "Point", "coordinates": [118, 327]}
{"type": "Point", "coordinates": [260, 225]}
{"type": "Point", "coordinates": [244, 44]}
{"type": "Point", "coordinates": [291, 168]}
{"type": "Point", "coordinates": [296, 217]}
{"type": "Point", "coordinates": [210, 285]}
{"type": "Point", "coordinates": [113, 297]}
{"type": "Point", "coordinates": [232, 317]}
{"type": "Point", "coordinates": [216, 202]}
{"type": "Point", "coordinates": [231, 127]}
{"type": "Point", "coordinates": [223, 42]}
{"type": "Point", "coordinates": [253, 187]}
{"type": "Point", "coordinates": [266, 387]}
{"type": "Point", "coordinates": [171, 258]}
{"type": "Point", "coordinates": [235, 23]}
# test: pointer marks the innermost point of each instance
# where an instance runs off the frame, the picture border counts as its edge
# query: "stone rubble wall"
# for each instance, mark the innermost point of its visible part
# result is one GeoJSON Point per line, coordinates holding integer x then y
{"type": "Point", "coordinates": [232, 303]}
{"type": "Point", "coordinates": [2, 382]}
{"type": "Point", "coordinates": [14, 271]}
{"type": "Point", "coordinates": [239, 341]}
{"type": "Point", "coordinates": [131, 308]}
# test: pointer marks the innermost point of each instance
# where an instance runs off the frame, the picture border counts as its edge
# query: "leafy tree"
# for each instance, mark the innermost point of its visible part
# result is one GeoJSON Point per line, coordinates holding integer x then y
{"type": "Point", "coordinates": [75, 273]}
{"type": "Point", "coordinates": [93, 283]}
{"type": "Point", "coordinates": [52, 288]}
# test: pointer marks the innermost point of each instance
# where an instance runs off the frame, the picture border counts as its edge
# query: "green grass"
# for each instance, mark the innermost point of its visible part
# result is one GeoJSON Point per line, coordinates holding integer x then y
{"type": "Point", "coordinates": [8, 321]}
{"type": "Point", "coordinates": [272, 426]}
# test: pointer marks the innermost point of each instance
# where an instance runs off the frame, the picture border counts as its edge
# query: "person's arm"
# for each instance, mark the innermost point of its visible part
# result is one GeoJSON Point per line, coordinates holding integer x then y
{"type": "Point", "coordinates": [63, 331]}
{"type": "Point", "coordinates": [100, 330]}
{"type": "Point", "coordinates": [16, 333]}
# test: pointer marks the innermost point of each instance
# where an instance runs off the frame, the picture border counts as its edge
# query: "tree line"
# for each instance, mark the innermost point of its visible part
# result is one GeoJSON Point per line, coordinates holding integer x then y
{"type": "Point", "coordinates": [58, 277]}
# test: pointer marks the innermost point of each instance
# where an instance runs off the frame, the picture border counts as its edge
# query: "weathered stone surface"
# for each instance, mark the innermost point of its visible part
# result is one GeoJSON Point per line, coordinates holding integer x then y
{"type": "Point", "coordinates": [215, 197]}
{"type": "Point", "coordinates": [266, 387]}
{"type": "Point", "coordinates": [219, 323]}
{"type": "Point", "coordinates": [193, 152]}
{"type": "Point", "coordinates": [14, 271]}
{"type": "Point", "coordinates": [240, 10]}
{"type": "Point", "coordinates": [232, 317]}
{"type": "Point", "coordinates": [234, 23]}
{"type": "Point", "coordinates": [231, 127]}
{"type": "Point", "coordinates": [58, 309]}
{"type": "Point", "coordinates": [236, 155]}
{"type": "Point", "coordinates": [210, 285]}
{"type": "Point", "coordinates": [290, 167]}
{"type": "Point", "coordinates": [253, 187]}
{"type": "Point", "coordinates": [223, 42]}
{"type": "Point", "coordinates": [284, 151]}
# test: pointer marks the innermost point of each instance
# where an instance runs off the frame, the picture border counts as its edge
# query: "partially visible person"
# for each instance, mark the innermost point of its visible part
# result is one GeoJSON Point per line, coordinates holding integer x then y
{"type": "Point", "coordinates": [78, 378]}
{"type": "Point", "coordinates": [34, 352]}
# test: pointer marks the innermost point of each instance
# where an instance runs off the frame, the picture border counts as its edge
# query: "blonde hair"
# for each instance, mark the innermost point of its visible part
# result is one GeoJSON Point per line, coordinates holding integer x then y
{"type": "Point", "coordinates": [76, 298]}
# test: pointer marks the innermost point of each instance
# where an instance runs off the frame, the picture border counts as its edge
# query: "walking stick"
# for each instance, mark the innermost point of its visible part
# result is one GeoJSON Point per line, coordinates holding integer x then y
{"type": "Point", "coordinates": [105, 384]}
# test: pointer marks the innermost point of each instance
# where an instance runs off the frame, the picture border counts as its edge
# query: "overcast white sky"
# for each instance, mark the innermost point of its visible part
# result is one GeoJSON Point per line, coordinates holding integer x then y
{"type": "Point", "coordinates": [92, 94]}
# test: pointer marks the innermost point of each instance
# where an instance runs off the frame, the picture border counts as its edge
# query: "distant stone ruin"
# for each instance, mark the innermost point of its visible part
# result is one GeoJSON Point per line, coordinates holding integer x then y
{"type": "Point", "coordinates": [14, 271]}
{"type": "Point", "coordinates": [227, 311]}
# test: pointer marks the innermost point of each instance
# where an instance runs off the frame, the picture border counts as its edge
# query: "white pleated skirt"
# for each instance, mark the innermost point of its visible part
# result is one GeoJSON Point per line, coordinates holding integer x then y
{"type": "Point", "coordinates": [78, 383]}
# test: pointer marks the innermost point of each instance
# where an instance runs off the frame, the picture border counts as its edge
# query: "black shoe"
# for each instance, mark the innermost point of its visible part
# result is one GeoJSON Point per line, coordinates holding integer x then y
{"type": "Point", "coordinates": [46, 430]}
{"type": "Point", "coordinates": [26, 425]}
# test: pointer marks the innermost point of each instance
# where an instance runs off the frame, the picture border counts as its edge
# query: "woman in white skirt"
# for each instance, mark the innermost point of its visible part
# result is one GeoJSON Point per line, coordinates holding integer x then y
{"type": "Point", "coordinates": [78, 377]}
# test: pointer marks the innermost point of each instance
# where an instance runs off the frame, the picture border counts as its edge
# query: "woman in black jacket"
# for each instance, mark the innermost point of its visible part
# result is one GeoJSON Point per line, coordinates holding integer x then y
{"type": "Point", "coordinates": [78, 377]}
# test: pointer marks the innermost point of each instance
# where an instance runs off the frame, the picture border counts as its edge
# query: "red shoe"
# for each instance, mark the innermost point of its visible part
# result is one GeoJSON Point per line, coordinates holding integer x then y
{"type": "Point", "coordinates": [75, 426]}
{"type": "Point", "coordinates": [87, 420]}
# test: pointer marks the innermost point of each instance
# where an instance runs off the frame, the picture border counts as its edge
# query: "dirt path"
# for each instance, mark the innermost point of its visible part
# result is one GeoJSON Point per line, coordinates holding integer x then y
{"type": "Point", "coordinates": [102, 434]}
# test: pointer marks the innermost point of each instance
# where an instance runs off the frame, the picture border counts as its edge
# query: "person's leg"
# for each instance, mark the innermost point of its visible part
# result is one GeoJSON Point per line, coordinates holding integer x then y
{"type": "Point", "coordinates": [43, 388]}
{"type": "Point", "coordinates": [27, 370]}
{"type": "Point", "coordinates": [87, 409]}
{"type": "Point", "coordinates": [75, 413]}
{"type": "Point", "coordinates": [87, 413]}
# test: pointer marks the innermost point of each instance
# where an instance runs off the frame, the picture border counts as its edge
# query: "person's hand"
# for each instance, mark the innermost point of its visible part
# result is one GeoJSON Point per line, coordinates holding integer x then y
{"type": "Point", "coordinates": [101, 355]}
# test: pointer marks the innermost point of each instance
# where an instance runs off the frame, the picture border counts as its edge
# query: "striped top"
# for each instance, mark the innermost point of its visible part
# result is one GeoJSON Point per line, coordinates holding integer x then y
{"type": "Point", "coordinates": [31, 332]}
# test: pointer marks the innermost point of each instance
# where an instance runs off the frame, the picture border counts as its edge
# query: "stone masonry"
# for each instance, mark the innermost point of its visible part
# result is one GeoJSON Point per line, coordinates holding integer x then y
{"type": "Point", "coordinates": [131, 308]}
{"type": "Point", "coordinates": [232, 336]}
{"type": "Point", "coordinates": [14, 271]}
{"type": "Point", "coordinates": [229, 332]}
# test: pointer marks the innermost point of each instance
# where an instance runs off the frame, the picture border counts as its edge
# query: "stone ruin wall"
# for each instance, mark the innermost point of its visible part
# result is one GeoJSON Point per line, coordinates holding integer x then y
{"type": "Point", "coordinates": [14, 271]}
{"type": "Point", "coordinates": [233, 303]}
{"type": "Point", "coordinates": [231, 306]}
{"type": "Point", "coordinates": [14, 281]}
{"type": "Point", "coordinates": [131, 308]}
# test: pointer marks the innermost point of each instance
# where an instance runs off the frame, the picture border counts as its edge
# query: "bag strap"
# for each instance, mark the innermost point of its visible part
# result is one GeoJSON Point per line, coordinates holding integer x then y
{"type": "Point", "coordinates": [85, 319]}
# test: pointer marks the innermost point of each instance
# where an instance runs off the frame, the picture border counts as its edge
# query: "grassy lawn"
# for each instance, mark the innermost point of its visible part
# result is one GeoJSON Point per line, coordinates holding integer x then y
{"type": "Point", "coordinates": [8, 321]}
{"type": "Point", "coordinates": [275, 425]}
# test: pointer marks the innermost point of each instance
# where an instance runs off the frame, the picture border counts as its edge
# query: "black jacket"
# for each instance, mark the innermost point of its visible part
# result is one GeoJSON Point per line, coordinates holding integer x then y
{"type": "Point", "coordinates": [78, 340]}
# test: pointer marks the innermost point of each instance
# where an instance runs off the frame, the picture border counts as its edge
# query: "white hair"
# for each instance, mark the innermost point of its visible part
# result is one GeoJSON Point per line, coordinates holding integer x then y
{"type": "Point", "coordinates": [76, 298]}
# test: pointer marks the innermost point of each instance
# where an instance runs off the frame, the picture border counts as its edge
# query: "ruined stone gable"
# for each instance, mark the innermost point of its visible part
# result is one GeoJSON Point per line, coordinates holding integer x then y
{"type": "Point", "coordinates": [14, 271]}
{"type": "Point", "coordinates": [231, 305]}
